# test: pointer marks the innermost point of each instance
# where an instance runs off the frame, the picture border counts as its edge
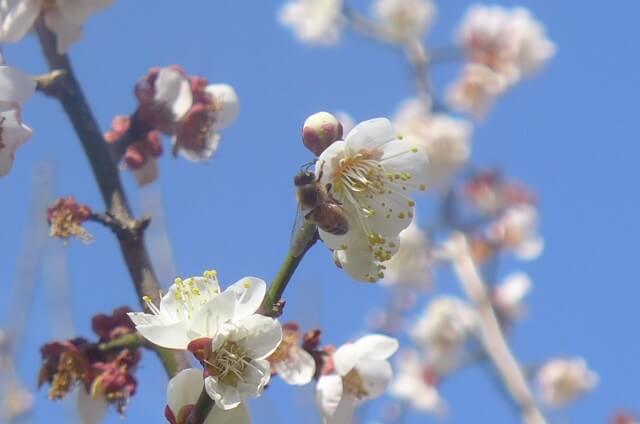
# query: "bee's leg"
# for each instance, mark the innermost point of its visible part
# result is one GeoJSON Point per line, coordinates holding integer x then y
{"type": "Point", "coordinates": [321, 171]}
{"type": "Point", "coordinates": [308, 214]}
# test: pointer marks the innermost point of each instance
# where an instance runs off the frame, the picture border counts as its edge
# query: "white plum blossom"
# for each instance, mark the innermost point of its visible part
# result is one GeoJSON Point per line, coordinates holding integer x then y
{"type": "Point", "coordinates": [510, 42]}
{"type": "Point", "coordinates": [362, 372]}
{"type": "Point", "coordinates": [371, 174]}
{"type": "Point", "coordinates": [65, 18]}
{"type": "Point", "coordinates": [415, 383]}
{"type": "Point", "coordinates": [313, 21]}
{"type": "Point", "coordinates": [171, 325]}
{"type": "Point", "coordinates": [442, 331]}
{"type": "Point", "coordinates": [563, 380]}
{"type": "Point", "coordinates": [405, 20]}
{"type": "Point", "coordinates": [15, 89]}
{"type": "Point", "coordinates": [446, 139]}
{"type": "Point", "coordinates": [290, 361]}
{"type": "Point", "coordinates": [476, 89]}
{"type": "Point", "coordinates": [171, 97]}
{"type": "Point", "coordinates": [182, 393]}
{"type": "Point", "coordinates": [517, 230]}
{"type": "Point", "coordinates": [198, 139]}
{"type": "Point", "coordinates": [412, 265]}
{"type": "Point", "coordinates": [235, 358]}
{"type": "Point", "coordinates": [508, 296]}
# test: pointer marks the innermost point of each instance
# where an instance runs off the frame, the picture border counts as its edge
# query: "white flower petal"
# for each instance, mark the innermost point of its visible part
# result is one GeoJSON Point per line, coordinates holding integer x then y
{"type": "Point", "coordinates": [237, 415]}
{"type": "Point", "coordinates": [226, 397]}
{"type": "Point", "coordinates": [90, 410]}
{"type": "Point", "coordinates": [369, 135]}
{"type": "Point", "coordinates": [530, 249]}
{"type": "Point", "coordinates": [376, 376]}
{"type": "Point", "coordinates": [15, 87]}
{"type": "Point", "coordinates": [297, 368]}
{"type": "Point", "coordinates": [174, 91]}
{"type": "Point", "coordinates": [207, 320]}
{"type": "Point", "coordinates": [249, 293]}
{"type": "Point", "coordinates": [226, 105]}
{"type": "Point", "coordinates": [184, 389]}
{"type": "Point", "coordinates": [377, 346]}
{"type": "Point", "coordinates": [172, 336]}
{"type": "Point", "coordinates": [255, 378]}
{"type": "Point", "coordinates": [208, 151]}
{"type": "Point", "coordinates": [328, 394]}
{"type": "Point", "coordinates": [265, 335]}
{"type": "Point", "coordinates": [20, 17]}
{"type": "Point", "coordinates": [67, 31]}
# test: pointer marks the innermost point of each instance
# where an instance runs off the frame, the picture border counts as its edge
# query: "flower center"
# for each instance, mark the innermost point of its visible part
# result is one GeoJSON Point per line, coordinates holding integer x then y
{"type": "Point", "coordinates": [353, 384]}
{"type": "Point", "coordinates": [189, 295]}
{"type": "Point", "coordinates": [228, 363]}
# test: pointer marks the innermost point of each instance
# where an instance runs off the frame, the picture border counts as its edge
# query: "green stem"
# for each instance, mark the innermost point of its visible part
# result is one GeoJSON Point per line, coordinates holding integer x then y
{"type": "Point", "coordinates": [303, 240]}
{"type": "Point", "coordinates": [132, 340]}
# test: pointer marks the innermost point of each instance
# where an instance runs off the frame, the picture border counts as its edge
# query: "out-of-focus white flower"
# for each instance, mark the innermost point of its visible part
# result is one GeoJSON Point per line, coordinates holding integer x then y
{"type": "Point", "coordinates": [15, 89]}
{"type": "Point", "coordinates": [215, 107]}
{"type": "Point", "coordinates": [415, 382]}
{"type": "Point", "coordinates": [490, 192]}
{"type": "Point", "coordinates": [563, 380]}
{"type": "Point", "coordinates": [184, 311]}
{"type": "Point", "coordinates": [517, 230]}
{"type": "Point", "coordinates": [64, 17]}
{"type": "Point", "coordinates": [446, 139]}
{"type": "Point", "coordinates": [476, 89]}
{"type": "Point", "coordinates": [405, 20]}
{"type": "Point", "coordinates": [182, 394]}
{"type": "Point", "coordinates": [313, 21]}
{"type": "Point", "coordinates": [508, 296]}
{"type": "Point", "coordinates": [235, 359]}
{"type": "Point", "coordinates": [371, 173]}
{"type": "Point", "coordinates": [362, 373]}
{"type": "Point", "coordinates": [412, 265]}
{"type": "Point", "coordinates": [292, 363]}
{"type": "Point", "coordinates": [91, 410]}
{"type": "Point", "coordinates": [511, 42]}
{"type": "Point", "coordinates": [443, 330]}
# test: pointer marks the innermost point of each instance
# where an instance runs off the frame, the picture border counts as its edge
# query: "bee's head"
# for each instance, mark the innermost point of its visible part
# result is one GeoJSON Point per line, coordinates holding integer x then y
{"type": "Point", "coordinates": [304, 177]}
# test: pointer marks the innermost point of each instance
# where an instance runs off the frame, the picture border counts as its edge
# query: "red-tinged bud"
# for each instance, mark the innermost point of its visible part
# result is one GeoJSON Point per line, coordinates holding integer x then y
{"type": "Point", "coordinates": [321, 130]}
{"type": "Point", "coordinates": [66, 216]}
{"type": "Point", "coordinates": [200, 348]}
{"type": "Point", "coordinates": [109, 327]}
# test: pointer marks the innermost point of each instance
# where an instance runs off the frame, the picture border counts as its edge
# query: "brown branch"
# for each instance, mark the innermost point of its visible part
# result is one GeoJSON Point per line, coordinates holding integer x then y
{"type": "Point", "coordinates": [201, 409]}
{"type": "Point", "coordinates": [69, 93]}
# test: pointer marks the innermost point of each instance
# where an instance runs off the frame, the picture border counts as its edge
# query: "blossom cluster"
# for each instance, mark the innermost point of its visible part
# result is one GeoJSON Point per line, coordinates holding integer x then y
{"type": "Point", "coordinates": [187, 108]}
{"type": "Point", "coordinates": [102, 375]}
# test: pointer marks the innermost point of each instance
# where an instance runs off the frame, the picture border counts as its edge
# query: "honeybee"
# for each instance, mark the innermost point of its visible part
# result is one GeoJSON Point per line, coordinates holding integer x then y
{"type": "Point", "coordinates": [318, 205]}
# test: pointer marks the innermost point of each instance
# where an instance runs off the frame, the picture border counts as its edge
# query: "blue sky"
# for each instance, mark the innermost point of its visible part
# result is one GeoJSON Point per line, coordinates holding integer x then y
{"type": "Point", "coordinates": [570, 133]}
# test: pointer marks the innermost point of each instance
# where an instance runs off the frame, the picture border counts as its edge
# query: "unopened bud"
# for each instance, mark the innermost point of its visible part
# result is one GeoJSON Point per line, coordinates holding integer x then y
{"type": "Point", "coordinates": [321, 130]}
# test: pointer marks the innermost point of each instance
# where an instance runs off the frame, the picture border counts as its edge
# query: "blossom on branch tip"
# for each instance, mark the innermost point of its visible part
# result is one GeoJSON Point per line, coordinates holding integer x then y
{"type": "Point", "coordinates": [405, 20]}
{"type": "Point", "coordinates": [561, 380]}
{"type": "Point", "coordinates": [443, 330]}
{"type": "Point", "coordinates": [15, 89]}
{"type": "Point", "coordinates": [362, 372]}
{"type": "Point", "coordinates": [509, 41]}
{"type": "Point", "coordinates": [65, 18]}
{"type": "Point", "coordinates": [182, 394]}
{"type": "Point", "coordinates": [516, 230]}
{"type": "Point", "coordinates": [290, 361]}
{"type": "Point", "coordinates": [490, 192]}
{"type": "Point", "coordinates": [371, 174]}
{"type": "Point", "coordinates": [66, 216]}
{"type": "Point", "coordinates": [313, 21]}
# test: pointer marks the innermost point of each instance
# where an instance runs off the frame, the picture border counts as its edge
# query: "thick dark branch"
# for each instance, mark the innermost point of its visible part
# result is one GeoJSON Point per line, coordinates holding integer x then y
{"type": "Point", "coordinates": [70, 95]}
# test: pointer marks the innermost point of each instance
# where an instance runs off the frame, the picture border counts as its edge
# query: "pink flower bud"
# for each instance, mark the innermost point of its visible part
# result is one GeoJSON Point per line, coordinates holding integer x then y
{"type": "Point", "coordinates": [319, 131]}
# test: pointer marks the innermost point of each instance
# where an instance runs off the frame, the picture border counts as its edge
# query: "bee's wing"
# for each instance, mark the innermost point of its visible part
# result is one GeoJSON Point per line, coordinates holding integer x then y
{"type": "Point", "coordinates": [298, 242]}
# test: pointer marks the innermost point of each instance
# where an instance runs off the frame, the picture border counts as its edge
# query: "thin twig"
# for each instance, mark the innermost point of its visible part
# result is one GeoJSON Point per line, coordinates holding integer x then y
{"type": "Point", "coordinates": [107, 176]}
{"type": "Point", "coordinates": [493, 339]}
{"type": "Point", "coordinates": [201, 409]}
{"type": "Point", "coordinates": [132, 340]}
